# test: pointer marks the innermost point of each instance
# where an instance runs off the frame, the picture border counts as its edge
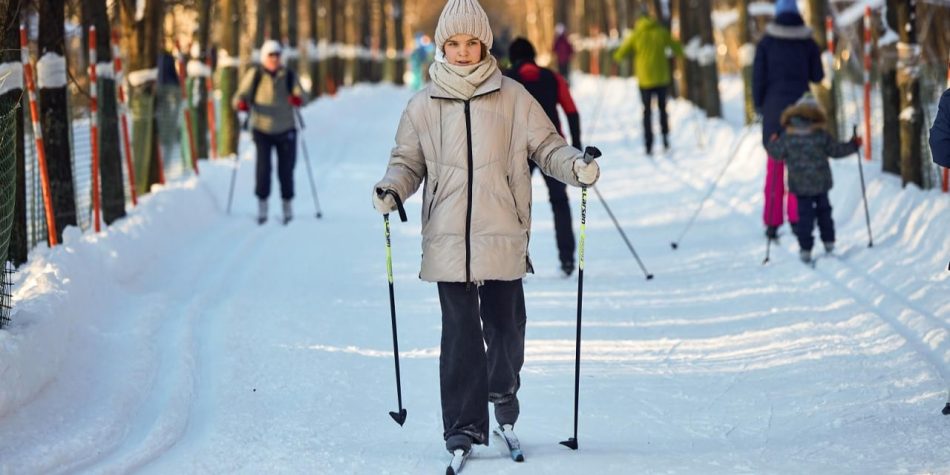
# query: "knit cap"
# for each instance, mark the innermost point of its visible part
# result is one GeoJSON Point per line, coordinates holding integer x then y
{"type": "Point", "coordinates": [463, 17]}
{"type": "Point", "coordinates": [786, 6]}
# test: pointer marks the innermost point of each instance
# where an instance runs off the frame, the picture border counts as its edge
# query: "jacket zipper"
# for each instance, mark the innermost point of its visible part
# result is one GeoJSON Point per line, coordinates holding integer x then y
{"type": "Point", "coordinates": [471, 179]}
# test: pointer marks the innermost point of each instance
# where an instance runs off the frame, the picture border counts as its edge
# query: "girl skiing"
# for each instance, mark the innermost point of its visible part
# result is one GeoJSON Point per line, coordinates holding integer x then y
{"type": "Point", "coordinates": [467, 138]}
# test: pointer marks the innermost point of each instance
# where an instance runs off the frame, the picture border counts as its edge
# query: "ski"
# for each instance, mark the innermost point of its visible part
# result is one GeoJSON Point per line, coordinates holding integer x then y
{"type": "Point", "coordinates": [506, 437]}
{"type": "Point", "coordinates": [458, 461]}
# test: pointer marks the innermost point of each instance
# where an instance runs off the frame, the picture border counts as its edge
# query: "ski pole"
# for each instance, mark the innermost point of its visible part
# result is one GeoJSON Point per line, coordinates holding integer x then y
{"type": "Point", "coordinates": [237, 163]}
{"type": "Point", "coordinates": [735, 151]}
{"type": "Point", "coordinates": [646, 273]}
{"type": "Point", "coordinates": [867, 214]}
{"type": "Point", "coordinates": [590, 153]}
{"type": "Point", "coordinates": [768, 239]}
{"type": "Point", "coordinates": [306, 159]}
{"type": "Point", "coordinates": [400, 416]}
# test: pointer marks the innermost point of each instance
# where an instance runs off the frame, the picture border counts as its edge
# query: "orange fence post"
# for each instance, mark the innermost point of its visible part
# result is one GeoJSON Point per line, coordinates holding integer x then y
{"type": "Point", "coordinates": [38, 136]}
{"type": "Point", "coordinates": [123, 118]}
{"type": "Point", "coordinates": [184, 97]}
{"type": "Point", "coordinates": [94, 116]}
{"type": "Point", "coordinates": [212, 120]}
{"type": "Point", "coordinates": [867, 83]}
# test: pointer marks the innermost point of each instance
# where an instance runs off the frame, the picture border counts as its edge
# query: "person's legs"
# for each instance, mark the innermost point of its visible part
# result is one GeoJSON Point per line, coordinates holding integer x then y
{"type": "Point", "coordinates": [806, 222]}
{"type": "Point", "coordinates": [263, 143]}
{"type": "Point", "coordinates": [646, 96]}
{"type": "Point", "coordinates": [463, 374]}
{"type": "Point", "coordinates": [563, 228]}
{"type": "Point", "coordinates": [661, 93]}
{"type": "Point", "coordinates": [286, 160]}
{"type": "Point", "coordinates": [503, 321]}
{"type": "Point", "coordinates": [826, 224]}
{"type": "Point", "coordinates": [774, 191]}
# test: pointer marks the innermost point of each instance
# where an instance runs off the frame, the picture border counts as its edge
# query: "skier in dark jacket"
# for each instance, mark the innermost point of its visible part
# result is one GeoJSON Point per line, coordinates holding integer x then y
{"type": "Point", "coordinates": [271, 93]}
{"type": "Point", "coordinates": [786, 60]}
{"type": "Point", "coordinates": [563, 50]}
{"type": "Point", "coordinates": [550, 89]}
{"type": "Point", "coordinates": [940, 132]}
{"type": "Point", "coordinates": [805, 146]}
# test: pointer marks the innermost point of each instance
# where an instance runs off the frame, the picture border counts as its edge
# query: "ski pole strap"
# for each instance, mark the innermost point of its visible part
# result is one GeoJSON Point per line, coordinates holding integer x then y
{"type": "Point", "coordinates": [402, 211]}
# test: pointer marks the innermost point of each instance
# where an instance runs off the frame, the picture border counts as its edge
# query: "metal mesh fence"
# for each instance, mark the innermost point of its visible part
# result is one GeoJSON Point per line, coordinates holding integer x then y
{"type": "Point", "coordinates": [7, 202]}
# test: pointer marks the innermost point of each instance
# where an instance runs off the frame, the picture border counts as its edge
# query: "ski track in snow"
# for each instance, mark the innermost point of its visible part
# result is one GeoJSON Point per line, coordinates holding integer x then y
{"type": "Point", "coordinates": [212, 345]}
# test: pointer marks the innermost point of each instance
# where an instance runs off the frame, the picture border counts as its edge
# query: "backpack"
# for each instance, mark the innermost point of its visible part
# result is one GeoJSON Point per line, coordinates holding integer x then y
{"type": "Point", "coordinates": [256, 82]}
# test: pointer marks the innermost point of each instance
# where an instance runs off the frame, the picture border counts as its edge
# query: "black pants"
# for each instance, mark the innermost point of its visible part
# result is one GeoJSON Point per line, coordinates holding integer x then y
{"type": "Point", "coordinates": [811, 209]}
{"type": "Point", "coordinates": [647, 95]}
{"type": "Point", "coordinates": [286, 145]}
{"type": "Point", "coordinates": [473, 317]}
{"type": "Point", "coordinates": [563, 227]}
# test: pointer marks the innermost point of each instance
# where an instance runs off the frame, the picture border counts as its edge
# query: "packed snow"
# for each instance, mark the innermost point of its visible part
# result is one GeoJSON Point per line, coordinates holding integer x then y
{"type": "Point", "coordinates": [186, 340]}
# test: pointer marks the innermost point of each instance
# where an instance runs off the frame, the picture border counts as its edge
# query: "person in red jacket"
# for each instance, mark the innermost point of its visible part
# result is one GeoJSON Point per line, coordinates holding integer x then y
{"type": "Point", "coordinates": [551, 90]}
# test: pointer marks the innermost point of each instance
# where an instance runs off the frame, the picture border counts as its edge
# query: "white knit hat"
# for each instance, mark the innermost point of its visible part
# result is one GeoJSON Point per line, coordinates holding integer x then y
{"type": "Point", "coordinates": [270, 46]}
{"type": "Point", "coordinates": [463, 17]}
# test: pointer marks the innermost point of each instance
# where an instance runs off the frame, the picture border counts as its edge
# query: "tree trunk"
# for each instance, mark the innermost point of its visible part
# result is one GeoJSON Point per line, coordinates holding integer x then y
{"type": "Point", "coordinates": [197, 89]}
{"type": "Point", "coordinates": [399, 43]}
{"type": "Point", "coordinates": [709, 70]}
{"type": "Point", "coordinates": [908, 81]}
{"type": "Point", "coordinates": [890, 99]}
{"type": "Point", "coordinates": [273, 13]}
{"type": "Point", "coordinates": [314, 67]}
{"type": "Point", "coordinates": [824, 91]}
{"type": "Point", "coordinates": [746, 57]}
{"type": "Point", "coordinates": [110, 156]}
{"type": "Point", "coordinates": [141, 39]}
{"type": "Point", "coordinates": [18, 247]}
{"type": "Point", "coordinates": [292, 60]}
{"type": "Point", "coordinates": [228, 64]}
{"type": "Point", "coordinates": [54, 112]}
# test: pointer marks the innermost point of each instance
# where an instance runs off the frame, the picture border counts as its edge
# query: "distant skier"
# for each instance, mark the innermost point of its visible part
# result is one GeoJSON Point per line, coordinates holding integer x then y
{"type": "Point", "coordinates": [420, 57]}
{"type": "Point", "coordinates": [805, 145]}
{"type": "Point", "coordinates": [468, 137]}
{"type": "Point", "coordinates": [786, 60]}
{"type": "Point", "coordinates": [649, 43]}
{"type": "Point", "coordinates": [551, 90]}
{"type": "Point", "coordinates": [271, 93]}
{"type": "Point", "coordinates": [563, 51]}
{"type": "Point", "coordinates": [940, 132]}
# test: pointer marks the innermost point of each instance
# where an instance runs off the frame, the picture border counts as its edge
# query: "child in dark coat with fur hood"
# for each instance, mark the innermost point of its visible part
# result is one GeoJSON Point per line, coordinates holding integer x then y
{"type": "Point", "coordinates": [805, 145]}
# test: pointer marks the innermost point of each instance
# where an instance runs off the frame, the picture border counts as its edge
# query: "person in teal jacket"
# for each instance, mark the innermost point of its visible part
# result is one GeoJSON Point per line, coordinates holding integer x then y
{"type": "Point", "coordinates": [651, 44]}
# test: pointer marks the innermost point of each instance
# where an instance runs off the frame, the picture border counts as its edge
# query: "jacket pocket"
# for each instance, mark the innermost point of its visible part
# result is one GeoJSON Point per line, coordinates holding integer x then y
{"type": "Point", "coordinates": [435, 189]}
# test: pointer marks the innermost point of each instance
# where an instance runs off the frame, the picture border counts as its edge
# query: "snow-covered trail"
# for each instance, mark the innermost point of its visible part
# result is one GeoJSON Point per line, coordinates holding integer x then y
{"type": "Point", "coordinates": [212, 345]}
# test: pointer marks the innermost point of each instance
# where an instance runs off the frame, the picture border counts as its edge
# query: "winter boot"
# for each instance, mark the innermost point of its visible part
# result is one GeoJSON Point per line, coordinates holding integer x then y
{"type": "Point", "coordinates": [829, 246]}
{"type": "Point", "coordinates": [567, 268]}
{"type": "Point", "coordinates": [288, 212]}
{"type": "Point", "coordinates": [261, 211]}
{"type": "Point", "coordinates": [805, 255]}
{"type": "Point", "coordinates": [666, 143]}
{"type": "Point", "coordinates": [771, 232]}
{"type": "Point", "coordinates": [459, 442]}
{"type": "Point", "coordinates": [506, 413]}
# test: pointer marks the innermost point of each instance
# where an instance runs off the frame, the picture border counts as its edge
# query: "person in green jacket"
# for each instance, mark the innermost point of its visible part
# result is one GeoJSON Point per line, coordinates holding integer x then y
{"type": "Point", "coordinates": [651, 44]}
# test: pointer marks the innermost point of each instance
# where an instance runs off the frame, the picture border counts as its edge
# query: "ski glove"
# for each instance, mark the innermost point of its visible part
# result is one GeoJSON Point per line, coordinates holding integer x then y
{"type": "Point", "coordinates": [586, 173]}
{"type": "Point", "coordinates": [295, 101]}
{"type": "Point", "coordinates": [857, 141]}
{"type": "Point", "coordinates": [384, 205]}
{"type": "Point", "coordinates": [242, 106]}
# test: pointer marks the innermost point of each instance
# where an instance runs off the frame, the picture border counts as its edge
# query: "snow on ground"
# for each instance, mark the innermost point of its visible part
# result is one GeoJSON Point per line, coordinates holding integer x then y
{"type": "Point", "coordinates": [186, 340]}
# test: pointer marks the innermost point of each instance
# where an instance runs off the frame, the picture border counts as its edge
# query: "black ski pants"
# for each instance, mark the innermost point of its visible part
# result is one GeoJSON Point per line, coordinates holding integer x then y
{"type": "Point", "coordinates": [474, 317]}
{"type": "Point", "coordinates": [563, 226]}
{"type": "Point", "coordinates": [811, 209]}
{"type": "Point", "coordinates": [647, 95]}
{"type": "Point", "coordinates": [286, 145]}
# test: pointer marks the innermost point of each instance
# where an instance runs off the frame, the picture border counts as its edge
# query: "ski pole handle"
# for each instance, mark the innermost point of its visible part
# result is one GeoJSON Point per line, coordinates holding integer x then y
{"type": "Point", "coordinates": [402, 211]}
{"type": "Point", "coordinates": [591, 153]}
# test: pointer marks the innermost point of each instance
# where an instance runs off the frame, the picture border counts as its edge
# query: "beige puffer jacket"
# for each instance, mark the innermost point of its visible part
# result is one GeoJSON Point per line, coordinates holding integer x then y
{"type": "Point", "coordinates": [476, 206]}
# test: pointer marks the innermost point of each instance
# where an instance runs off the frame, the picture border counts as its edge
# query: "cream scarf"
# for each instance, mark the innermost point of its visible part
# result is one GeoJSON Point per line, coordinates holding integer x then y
{"type": "Point", "coordinates": [462, 81]}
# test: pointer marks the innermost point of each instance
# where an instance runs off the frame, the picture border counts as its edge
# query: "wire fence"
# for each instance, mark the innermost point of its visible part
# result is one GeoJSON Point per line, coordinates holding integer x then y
{"type": "Point", "coordinates": [7, 202]}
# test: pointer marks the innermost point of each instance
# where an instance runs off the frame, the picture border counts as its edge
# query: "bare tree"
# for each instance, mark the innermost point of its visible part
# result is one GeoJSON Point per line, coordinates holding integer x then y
{"type": "Point", "coordinates": [142, 33]}
{"type": "Point", "coordinates": [110, 157]}
{"type": "Point", "coordinates": [54, 111]}
{"type": "Point", "coordinates": [825, 92]}
{"type": "Point", "coordinates": [890, 95]}
{"type": "Point", "coordinates": [908, 81]}
{"type": "Point", "coordinates": [228, 64]}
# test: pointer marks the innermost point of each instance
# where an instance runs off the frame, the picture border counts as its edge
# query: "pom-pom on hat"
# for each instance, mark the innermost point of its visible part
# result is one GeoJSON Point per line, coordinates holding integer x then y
{"type": "Point", "coordinates": [463, 17]}
{"type": "Point", "coordinates": [786, 6]}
